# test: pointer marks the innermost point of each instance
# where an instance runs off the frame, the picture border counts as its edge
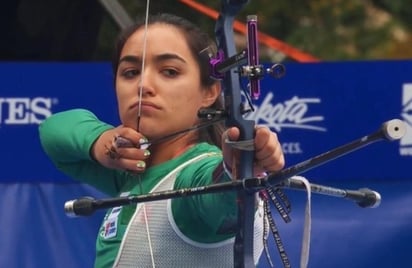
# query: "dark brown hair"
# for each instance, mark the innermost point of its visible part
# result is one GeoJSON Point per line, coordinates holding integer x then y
{"type": "Point", "coordinates": [198, 41]}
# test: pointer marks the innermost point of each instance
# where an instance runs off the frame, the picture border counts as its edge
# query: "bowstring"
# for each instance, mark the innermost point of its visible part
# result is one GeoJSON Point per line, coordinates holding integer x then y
{"type": "Point", "coordinates": [140, 86]}
{"type": "Point", "coordinates": [139, 112]}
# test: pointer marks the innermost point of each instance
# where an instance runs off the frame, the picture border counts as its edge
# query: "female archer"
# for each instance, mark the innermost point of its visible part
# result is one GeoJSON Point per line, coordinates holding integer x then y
{"type": "Point", "coordinates": [162, 81]}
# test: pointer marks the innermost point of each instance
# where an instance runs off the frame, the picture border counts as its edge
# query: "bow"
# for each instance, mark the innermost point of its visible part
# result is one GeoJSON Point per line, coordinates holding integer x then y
{"type": "Point", "coordinates": [243, 248]}
{"type": "Point", "coordinates": [222, 67]}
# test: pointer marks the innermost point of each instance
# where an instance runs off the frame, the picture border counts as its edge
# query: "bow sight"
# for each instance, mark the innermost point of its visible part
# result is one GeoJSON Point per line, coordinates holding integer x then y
{"type": "Point", "coordinates": [253, 71]}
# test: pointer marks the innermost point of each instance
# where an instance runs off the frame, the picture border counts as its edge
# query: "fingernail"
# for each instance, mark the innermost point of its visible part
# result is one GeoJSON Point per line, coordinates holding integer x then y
{"type": "Point", "coordinates": [140, 164]}
{"type": "Point", "coordinates": [144, 143]}
{"type": "Point", "coordinates": [146, 153]}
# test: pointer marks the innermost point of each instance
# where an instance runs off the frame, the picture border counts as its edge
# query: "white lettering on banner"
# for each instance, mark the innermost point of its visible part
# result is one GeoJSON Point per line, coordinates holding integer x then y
{"type": "Point", "coordinates": [406, 142]}
{"type": "Point", "coordinates": [22, 111]}
{"type": "Point", "coordinates": [289, 114]}
{"type": "Point", "coordinates": [405, 151]}
{"type": "Point", "coordinates": [291, 148]}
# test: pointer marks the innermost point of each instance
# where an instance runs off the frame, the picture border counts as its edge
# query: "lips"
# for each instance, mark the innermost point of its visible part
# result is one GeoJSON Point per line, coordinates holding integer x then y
{"type": "Point", "coordinates": [146, 105]}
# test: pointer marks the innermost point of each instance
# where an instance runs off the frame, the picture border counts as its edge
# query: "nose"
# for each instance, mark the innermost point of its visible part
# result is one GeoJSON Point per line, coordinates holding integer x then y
{"type": "Point", "coordinates": [146, 85]}
{"type": "Point", "coordinates": [144, 90]}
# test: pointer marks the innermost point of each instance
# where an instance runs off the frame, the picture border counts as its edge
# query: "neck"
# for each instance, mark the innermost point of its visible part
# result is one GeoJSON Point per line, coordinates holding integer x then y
{"type": "Point", "coordinates": [170, 149]}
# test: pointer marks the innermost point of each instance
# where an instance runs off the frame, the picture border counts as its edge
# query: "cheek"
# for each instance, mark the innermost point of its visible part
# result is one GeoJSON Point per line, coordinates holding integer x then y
{"type": "Point", "coordinates": [186, 102]}
{"type": "Point", "coordinates": [123, 99]}
{"type": "Point", "coordinates": [186, 95]}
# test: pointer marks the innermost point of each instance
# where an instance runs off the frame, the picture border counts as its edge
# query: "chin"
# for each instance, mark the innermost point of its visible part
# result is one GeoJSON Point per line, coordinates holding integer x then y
{"type": "Point", "coordinates": [149, 131]}
{"type": "Point", "coordinates": [132, 125]}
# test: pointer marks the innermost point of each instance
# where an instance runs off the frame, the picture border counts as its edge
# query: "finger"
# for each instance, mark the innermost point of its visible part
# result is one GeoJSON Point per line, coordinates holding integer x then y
{"type": "Point", "coordinates": [128, 156]}
{"type": "Point", "coordinates": [229, 154]}
{"type": "Point", "coordinates": [258, 170]}
{"type": "Point", "coordinates": [268, 153]}
{"type": "Point", "coordinates": [272, 164]}
{"type": "Point", "coordinates": [263, 135]}
{"type": "Point", "coordinates": [131, 165]}
{"type": "Point", "coordinates": [111, 152]}
{"type": "Point", "coordinates": [128, 137]}
{"type": "Point", "coordinates": [233, 134]}
{"type": "Point", "coordinates": [121, 142]}
{"type": "Point", "coordinates": [133, 153]}
{"type": "Point", "coordinates": [266, 144]}
{"type": "Point", "coordinates": [136, 163]}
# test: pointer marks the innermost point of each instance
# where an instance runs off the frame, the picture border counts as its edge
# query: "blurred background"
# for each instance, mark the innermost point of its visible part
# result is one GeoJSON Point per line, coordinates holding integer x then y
{"type": "Point", "coordinates": [76, 30]}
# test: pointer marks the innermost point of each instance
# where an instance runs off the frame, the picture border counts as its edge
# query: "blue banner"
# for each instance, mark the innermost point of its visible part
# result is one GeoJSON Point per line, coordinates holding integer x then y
{"type": "Point", "coordinates": [318, 107]}
{"type": "Point", "coordinates": [313, 108]}
{"type": "Point", "coordinates": [30, 92]}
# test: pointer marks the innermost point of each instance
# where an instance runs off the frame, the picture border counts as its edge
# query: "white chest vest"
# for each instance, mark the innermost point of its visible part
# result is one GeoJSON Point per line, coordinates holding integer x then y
{"type": "Point", "coordinates": [169, 247]}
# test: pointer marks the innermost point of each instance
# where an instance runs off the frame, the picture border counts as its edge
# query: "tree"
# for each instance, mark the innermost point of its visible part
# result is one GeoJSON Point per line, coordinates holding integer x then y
{"type": "Point", "coordinates": [327, 29]}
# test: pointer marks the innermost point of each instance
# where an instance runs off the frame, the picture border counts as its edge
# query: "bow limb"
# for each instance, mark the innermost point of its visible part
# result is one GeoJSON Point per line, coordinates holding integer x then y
{"type": "Point", "coordinates": [243, 168]}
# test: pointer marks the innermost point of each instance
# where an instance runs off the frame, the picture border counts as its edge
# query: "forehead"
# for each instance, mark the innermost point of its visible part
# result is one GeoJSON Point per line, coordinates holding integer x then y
{"type": "Point", "coordinates": [160, 38]}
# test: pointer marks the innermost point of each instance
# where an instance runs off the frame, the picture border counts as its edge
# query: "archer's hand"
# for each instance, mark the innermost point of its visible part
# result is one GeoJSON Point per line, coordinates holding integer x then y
{"type": "Point", "coordinates": [119, 148]}
{"type": "Point", "coordinates": [268, 151]}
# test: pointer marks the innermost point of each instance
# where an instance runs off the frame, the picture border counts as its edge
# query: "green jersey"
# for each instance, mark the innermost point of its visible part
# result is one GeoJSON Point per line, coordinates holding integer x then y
{"type": "Point", "coordinates": [67, 138]}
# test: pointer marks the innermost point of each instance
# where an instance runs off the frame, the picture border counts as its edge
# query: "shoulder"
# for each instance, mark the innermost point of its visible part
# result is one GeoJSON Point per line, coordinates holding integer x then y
{"type": "Point", "coordinates": [204, 159]}
{"type": "Point", "coordinates": [204, 156]}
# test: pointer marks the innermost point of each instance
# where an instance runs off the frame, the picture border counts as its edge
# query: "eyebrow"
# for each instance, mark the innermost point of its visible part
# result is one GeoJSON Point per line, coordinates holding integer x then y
{"type": "Point", "coordinates": [157, 58]}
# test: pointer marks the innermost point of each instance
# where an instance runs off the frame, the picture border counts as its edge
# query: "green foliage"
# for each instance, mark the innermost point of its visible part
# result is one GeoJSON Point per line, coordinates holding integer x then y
{"type": "Point", "coordinates": [327, 29]}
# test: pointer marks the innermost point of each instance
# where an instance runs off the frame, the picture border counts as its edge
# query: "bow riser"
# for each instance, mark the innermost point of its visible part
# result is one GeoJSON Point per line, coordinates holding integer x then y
{"type": "Point", "coordinates": [243, 248]}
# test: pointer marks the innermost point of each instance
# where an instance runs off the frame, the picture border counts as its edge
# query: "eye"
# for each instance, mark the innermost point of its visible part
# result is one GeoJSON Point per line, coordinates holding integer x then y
{"type": "Point", "coordinates": [130, 73]}
{"type": "Point", "coordinates": [170, 72]}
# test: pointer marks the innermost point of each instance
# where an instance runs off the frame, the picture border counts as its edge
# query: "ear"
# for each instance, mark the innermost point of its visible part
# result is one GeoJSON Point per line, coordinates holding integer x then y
{"type": "Point", "coordinates": [210, 94]}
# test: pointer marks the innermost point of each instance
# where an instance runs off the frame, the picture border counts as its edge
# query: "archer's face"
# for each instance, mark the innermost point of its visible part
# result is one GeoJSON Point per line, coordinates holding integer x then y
{"type": "Point", "coordinates": [170, 82]}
